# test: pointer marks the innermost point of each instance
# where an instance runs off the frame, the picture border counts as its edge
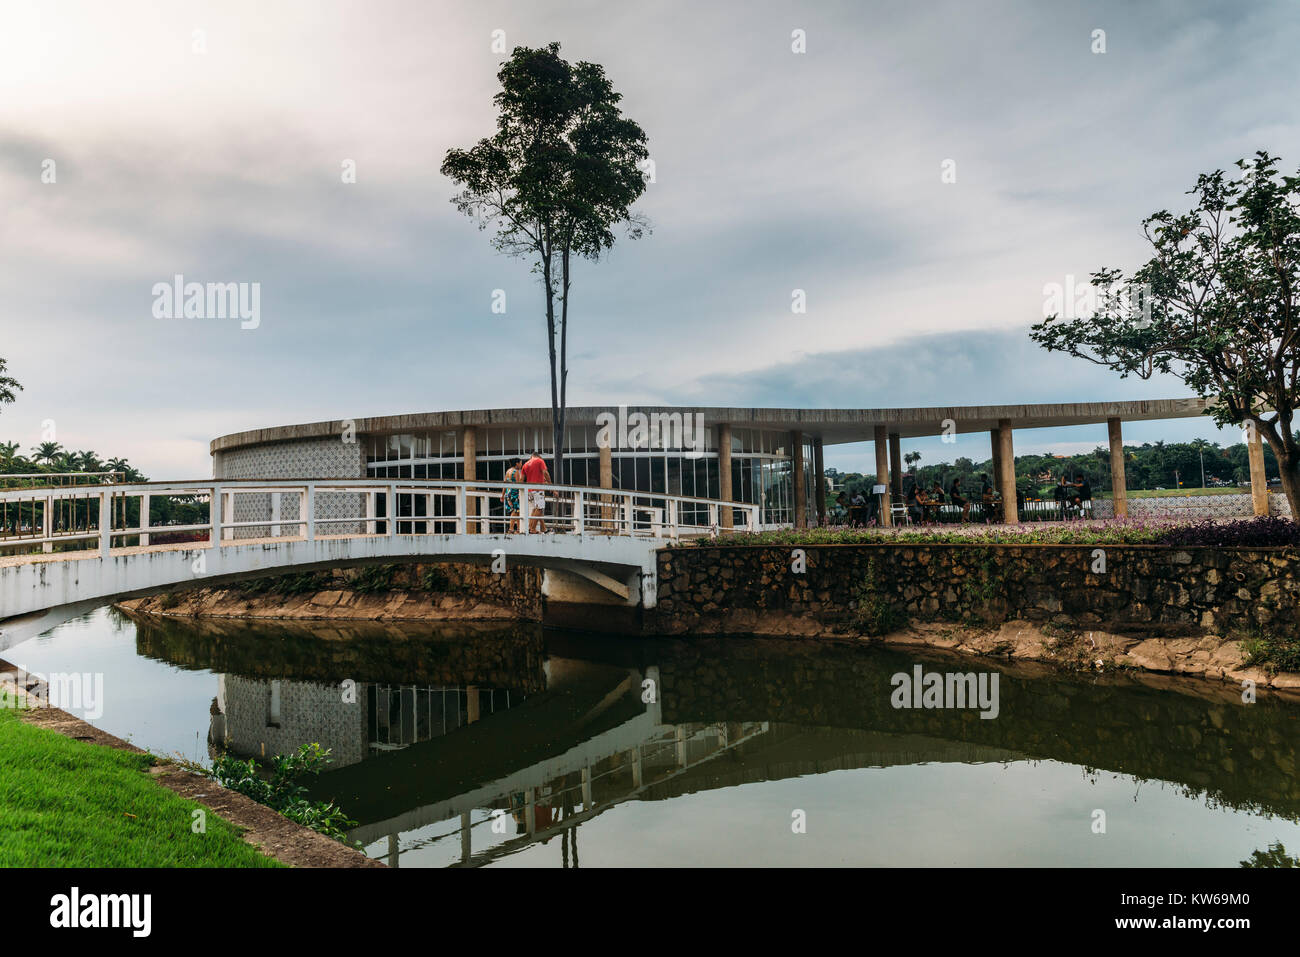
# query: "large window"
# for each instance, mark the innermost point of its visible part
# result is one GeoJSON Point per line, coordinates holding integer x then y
{"type": "Point", "coordinates": [760, 463]}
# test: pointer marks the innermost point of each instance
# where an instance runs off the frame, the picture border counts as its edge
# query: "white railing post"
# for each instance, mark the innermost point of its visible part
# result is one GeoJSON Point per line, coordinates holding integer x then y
{"type": "Point", "coordinates": [628, 515]}
{"type": "Point", "coordinates": [47, 524]}
{"type": "Point", "coordinates": [275, 515]}
{"type": "Point", "coordinates": [392, 510]}
{"type": "Point", "coordinates": [105, 523]}
{"type": "Point", "coordinates": [227, 512]}
{"type": "Point", "coordinates": [672, 518]}
{"type": "Point", "coordinates": [144, 519]}
{"type": "Point", "coordinates": [525, 508]}
{"type": "Point", "coordinates": [309, 500]}
{"type": "Point", "coordinates": [579, 514]}
{"type": "Point", "coordinates": [462, 520]}
{"type": "Point", "coordinates": [371, 496]}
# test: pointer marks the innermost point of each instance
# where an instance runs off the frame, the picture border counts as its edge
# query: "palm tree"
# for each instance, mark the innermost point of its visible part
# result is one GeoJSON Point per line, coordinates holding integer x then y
{"type": "Point", "coordinates": [8, 455]}
{"type": "Point", "coordinates": [87, 461]}
{"type": "Point", "coordinates": [46, 452]}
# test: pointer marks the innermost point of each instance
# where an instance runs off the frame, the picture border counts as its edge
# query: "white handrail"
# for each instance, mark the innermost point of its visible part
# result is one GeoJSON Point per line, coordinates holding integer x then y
{"type": "Point", "coordinates": [293, 511]}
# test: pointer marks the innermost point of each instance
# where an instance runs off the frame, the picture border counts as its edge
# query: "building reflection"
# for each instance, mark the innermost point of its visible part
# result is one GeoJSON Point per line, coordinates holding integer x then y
{"type": "Point", "coordinates": [462, 749]}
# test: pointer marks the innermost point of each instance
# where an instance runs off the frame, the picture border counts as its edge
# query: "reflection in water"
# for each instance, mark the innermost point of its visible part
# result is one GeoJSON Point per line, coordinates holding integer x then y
{"type": "Point", "coordinates": [473, 745]}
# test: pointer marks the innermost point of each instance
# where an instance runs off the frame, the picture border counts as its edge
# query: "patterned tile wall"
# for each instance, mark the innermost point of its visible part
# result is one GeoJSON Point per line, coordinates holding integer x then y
{"type": "Point", "coordinates": [305, 459]}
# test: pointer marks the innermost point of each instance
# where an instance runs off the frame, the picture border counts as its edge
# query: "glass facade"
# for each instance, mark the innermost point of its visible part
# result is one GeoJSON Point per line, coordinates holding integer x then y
{"type": "Point", "coordinates": [761, 463]}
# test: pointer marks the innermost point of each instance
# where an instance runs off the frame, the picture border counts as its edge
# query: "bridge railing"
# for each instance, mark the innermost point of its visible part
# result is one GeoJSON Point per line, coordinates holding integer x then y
{"type": "Point", "coordinates": [157, 513]}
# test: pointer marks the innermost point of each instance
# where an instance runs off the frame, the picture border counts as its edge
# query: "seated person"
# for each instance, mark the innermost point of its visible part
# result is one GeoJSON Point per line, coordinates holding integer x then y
{"type": "Point", "coordinates": [988, 499]}
{"type": "Point", "coordinates": [858, 509]}
{"type": "Point", "coordinates": [935, 500]}
{"type": "Point", "coordinates": [914, 503]}
{"type": "Point", "coordinates": [955, 496]}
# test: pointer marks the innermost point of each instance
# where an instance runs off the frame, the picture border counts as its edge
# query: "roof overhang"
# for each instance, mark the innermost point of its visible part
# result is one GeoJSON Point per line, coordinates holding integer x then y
{"type": "Point", "coordinates": [832, 426]}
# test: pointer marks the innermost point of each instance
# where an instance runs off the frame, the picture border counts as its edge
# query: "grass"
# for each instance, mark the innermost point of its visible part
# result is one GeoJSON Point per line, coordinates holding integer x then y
{"type": "Point", "coordinates": [1178, 493]}
{"type": "Point", "coordinates": [1271, 652]}
{"type": "Point", "coordinates": [1097, 532]}
{"type": "Point", "coordinates": [65, 803]}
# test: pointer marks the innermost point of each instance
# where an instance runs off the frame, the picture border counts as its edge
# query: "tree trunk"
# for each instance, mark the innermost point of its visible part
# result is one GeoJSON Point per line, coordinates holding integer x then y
{"type": "Point", "coordinates": [561, 412]}
{"type": "Point", "coordinates": [550, 344]}
{"type": "Point", "coordinates": [1280, 440]}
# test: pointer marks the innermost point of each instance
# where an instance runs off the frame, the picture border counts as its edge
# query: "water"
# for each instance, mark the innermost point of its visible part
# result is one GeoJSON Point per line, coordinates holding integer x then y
{"type": "Point", "coordinates": [518, 747]}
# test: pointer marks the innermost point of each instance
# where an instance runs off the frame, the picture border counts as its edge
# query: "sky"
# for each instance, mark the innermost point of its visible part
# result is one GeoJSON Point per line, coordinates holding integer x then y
{"type": "Point", "coordinates": [209, 140]}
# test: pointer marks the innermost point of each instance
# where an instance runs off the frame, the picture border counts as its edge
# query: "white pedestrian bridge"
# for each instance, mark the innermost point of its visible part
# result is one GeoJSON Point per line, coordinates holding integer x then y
{"type": "Point", "coordinates": [64, 551]}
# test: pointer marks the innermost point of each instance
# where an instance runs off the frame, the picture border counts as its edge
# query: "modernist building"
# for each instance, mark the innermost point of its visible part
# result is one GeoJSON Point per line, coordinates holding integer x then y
{"type": "Point", "coordinates": [769, 457]}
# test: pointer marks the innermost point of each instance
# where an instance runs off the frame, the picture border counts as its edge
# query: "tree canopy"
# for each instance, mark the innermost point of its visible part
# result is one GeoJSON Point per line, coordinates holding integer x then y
{"type": "Point", "coordinates": [1215, 306]}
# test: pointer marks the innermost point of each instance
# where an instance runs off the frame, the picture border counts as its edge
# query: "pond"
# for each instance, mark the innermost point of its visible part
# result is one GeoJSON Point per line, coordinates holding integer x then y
{"type": "Point", "coordinates": [517, 746]}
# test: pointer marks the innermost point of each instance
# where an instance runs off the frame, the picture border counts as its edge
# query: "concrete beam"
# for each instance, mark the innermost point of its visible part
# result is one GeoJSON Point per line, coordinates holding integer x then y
{"type": "Point", "coordinates": [1118, 476]}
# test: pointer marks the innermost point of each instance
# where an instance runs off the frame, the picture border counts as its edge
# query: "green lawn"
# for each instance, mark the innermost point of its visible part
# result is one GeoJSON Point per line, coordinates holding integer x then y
{"type": "Point", "coordinates": [65, 803]}
{"type": "Point", "coordinates": [1177, 493]}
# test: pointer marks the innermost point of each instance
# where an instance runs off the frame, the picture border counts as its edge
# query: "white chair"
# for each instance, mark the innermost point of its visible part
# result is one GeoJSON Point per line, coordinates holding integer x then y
{"type": "Point", "coordinates": [899, 515]}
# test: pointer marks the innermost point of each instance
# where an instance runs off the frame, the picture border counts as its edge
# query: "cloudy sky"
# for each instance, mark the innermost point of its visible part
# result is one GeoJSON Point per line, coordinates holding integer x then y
{"type": "Point", "coordinates": [208, 140]}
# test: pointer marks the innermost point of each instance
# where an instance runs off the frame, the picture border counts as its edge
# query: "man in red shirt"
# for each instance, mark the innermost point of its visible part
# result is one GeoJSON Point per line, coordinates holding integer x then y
{"type": "Point", "coordinates": [536, 473]}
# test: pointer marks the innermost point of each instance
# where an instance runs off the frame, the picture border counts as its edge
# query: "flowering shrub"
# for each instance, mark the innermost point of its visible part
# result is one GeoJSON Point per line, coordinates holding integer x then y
{"type": "Point", "coordinates": [1256, 532]}
{"type": "Point", "coordinates": [1263, 531]}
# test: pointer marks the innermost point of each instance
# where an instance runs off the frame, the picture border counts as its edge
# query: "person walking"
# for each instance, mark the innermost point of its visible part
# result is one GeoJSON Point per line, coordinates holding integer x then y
{"type": "Point", "coordinates": [536, 473]}
{"type": "Point", "coordinates": [510, 496]}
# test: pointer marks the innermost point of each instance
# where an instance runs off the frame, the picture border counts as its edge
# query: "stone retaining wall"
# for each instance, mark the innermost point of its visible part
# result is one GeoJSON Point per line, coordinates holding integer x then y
{"type": "Point", "coordinates": [1142, 589]}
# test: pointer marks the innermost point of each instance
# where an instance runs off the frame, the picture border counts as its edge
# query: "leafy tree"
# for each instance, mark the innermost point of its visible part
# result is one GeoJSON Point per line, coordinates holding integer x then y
{"type": "Point", "coordinates": [560, 173]}
{"type": "Point", "coordinates": [8, 386]}
{"type": "Point", "coordinates": [1219, 306]}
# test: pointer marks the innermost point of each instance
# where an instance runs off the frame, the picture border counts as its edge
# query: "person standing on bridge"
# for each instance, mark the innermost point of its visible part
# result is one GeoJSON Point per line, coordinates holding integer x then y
{"type": "Point", "coordinates": [510, 496]}
{"type": "Point", "coordinates": [536, 473]}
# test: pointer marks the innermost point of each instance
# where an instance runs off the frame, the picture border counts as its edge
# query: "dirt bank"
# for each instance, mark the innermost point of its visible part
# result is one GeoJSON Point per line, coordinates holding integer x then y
{"type": "Point", "coordinates": [1208, 656]}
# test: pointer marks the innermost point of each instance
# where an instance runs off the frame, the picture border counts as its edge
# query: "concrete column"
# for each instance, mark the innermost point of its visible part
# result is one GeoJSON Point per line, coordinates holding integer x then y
{"type": "Point", "coordinates": [1007, 472]}
{"type": "Point", "coordinates": [469, 451]}
{"type": "Point", "coordinates": [1118, 478]}
{"type": "Point", "coordinates": [895, 465]}
{"type": "Point", "coordinates": [995, 442]}
{"type": "Point", "coordinates": [819, 476]}
{"type": "Point", "coordinates": [606, 481]}
{"type": "Point", "coordinates": [1258, 477]}
{"type": "Point", "coordinates": [799, 491]}
{"type": "Point", "coordinates": [725, 519]}
{"type": "Point", "coordinates": [882, 471]}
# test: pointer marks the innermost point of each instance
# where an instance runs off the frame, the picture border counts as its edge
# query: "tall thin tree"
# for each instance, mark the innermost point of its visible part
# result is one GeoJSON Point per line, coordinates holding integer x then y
{"type": "Point", "coordinates": [559, 175]}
